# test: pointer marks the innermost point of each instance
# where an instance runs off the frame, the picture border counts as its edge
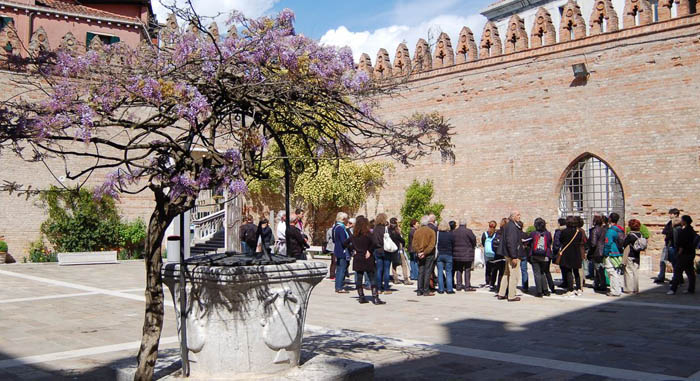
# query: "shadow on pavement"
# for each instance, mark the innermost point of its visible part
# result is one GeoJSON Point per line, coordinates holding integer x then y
{"type": "Point", "coordinates": [649, 332]}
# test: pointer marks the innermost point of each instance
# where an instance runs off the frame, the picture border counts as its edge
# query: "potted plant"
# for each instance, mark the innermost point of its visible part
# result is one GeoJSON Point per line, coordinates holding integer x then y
{"type": "Point", "coordinates": [3, 251]}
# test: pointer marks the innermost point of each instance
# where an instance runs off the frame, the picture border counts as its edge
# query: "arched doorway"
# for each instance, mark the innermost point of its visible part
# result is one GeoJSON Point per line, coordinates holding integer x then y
{"type": "Point", "coordinates": [591, 187]}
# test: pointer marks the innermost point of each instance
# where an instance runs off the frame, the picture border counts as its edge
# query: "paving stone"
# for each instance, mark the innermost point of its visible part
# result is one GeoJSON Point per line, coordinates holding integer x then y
{"type": "Point", "coordinates": [592, 330]}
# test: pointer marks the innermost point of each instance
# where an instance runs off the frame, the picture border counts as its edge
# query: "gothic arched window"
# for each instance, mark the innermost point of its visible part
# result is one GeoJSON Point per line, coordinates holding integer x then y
{"type": "Point", "coordinates": [591, 187]}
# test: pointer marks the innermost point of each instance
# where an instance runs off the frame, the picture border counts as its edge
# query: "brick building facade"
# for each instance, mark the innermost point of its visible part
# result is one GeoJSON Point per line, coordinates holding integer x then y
{"type": "Point", "coordinates": [27, 25]}
{"type": "Point", "coordinates": [531, 135]}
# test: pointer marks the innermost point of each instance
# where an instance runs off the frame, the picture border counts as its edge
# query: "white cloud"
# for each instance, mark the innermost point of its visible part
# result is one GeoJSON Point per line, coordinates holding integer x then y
{"type": "Point", "coordinates": [415, 11]}
{"type": "Point", "coordinates": [209, 8]}
{"type": "Point", "coordinates": [390, 37]}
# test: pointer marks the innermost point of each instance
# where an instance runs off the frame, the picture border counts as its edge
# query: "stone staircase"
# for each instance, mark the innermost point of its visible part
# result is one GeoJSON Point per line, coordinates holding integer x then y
{"type": "Point", "coordinates": [216, 242]}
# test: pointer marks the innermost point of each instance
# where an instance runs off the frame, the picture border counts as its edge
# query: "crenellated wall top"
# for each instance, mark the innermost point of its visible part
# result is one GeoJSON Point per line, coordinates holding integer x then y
{"type": "Point", "coordinates": [517, 41]}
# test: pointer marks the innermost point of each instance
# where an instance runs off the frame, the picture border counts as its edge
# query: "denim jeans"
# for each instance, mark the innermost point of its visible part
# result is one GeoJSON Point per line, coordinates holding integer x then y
{"type": "Point", "coordinates": [340, 267]}
{"type": "Point", "coordinates": [245, 249]}
{"type": "Point", "coordinates": [670, 258]}
{"type": "Point", "coordinates": [444, 263]}
{"type": "Point", "coordinates": [383, 262]}
{"type": "Point", "coordinates": [414, 265]}
{"type": "Point", "coordinates": [523, 274]}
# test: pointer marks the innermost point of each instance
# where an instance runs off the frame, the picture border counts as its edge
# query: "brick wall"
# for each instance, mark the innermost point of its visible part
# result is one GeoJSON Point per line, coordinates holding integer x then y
{"type": "Point", "coordinates": [521, 121]}
{"type": "Point", "coordinates": [20, 218]}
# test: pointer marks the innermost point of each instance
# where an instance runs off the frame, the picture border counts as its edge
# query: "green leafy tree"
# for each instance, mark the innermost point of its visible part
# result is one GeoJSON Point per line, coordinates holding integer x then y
{"type": "Point", "coordinates": [334, 187]}
{"type": "Point", "coordinates": [79, 222]}
{"type": "Point", "coordinates": [132, 237]}
{"type": "Point", "coordinates": [418, 202]}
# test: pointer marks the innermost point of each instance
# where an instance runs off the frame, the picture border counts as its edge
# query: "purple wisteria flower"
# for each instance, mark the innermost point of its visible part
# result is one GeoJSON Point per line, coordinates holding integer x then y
{"type": "Point", "coordinates": [204, 179]}
{"type": "Point", "coordinates": [237, 186]}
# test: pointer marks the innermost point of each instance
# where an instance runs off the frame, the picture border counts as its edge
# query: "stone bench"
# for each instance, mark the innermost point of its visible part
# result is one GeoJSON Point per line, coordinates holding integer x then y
{"type": "Point", "coordinates": [87, 258]}
{"type": "Point", "coordinates": [314, 251]}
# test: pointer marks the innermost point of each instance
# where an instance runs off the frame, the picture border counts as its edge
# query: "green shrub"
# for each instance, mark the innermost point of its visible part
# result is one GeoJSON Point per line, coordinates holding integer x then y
{"type": "Point", "coordinates": [417, 203]}
{"type": "Point", "coordinates": [643, 229]}
{"type": "Point", "coordinates": [132, 238]}
{"type": "Point", "coordinates": [38, 252]}
{"type": "Point", "coordinates": [78, 222]}
{"type": "Point", "coordinates": [3, 247]}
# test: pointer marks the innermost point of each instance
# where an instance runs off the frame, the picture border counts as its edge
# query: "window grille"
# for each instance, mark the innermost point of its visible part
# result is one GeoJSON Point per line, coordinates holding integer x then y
{"type": "Point", "coordinates": [591, 188]}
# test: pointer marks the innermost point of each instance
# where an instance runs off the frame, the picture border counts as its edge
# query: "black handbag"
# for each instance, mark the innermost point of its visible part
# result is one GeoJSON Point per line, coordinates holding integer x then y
{"type": "Point", "coordinates": [396, 258]}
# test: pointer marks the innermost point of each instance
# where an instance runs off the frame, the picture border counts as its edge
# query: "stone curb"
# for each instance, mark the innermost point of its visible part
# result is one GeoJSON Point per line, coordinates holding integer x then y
{"type": "Point", "coordinates": [319, 367]}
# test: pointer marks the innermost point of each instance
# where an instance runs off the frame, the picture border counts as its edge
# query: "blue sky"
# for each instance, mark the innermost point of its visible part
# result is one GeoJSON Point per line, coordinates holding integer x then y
{"type": "Point", "coordinates": [363, 25]}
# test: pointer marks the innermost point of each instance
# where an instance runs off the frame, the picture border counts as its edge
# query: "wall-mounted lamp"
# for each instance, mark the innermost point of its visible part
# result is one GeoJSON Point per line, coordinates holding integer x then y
{"type": "Point", "coordinates": [580, 71]}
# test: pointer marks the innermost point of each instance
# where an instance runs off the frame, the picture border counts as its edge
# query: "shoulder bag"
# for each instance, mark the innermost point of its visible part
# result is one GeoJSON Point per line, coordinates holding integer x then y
{"type": "Point", "coordinates": [389, 244]}
{"type": "Point", "coordinates": [561, 252]}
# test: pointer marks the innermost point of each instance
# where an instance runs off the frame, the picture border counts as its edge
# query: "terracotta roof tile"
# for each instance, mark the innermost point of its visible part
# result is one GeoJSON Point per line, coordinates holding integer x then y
{"type": "Point", "coordinates": [73, 7]}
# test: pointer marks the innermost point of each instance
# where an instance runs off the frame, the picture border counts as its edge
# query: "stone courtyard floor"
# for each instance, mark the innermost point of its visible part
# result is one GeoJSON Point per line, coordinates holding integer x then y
{"type": "Point", "coordinates": [77, 322]}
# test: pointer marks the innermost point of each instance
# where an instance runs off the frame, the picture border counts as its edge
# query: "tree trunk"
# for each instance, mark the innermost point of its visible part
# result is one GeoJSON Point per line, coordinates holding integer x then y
{"type": "Point", "coordinates": [153, 319]}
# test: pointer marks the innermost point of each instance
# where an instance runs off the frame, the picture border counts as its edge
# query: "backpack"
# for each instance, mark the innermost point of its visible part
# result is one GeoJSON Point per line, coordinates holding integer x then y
{"type": "Point", "coordinates": [496, 243]}
{"type": "Point", "coordinates": [330, 242]}
{"type": "Point", "coordinates": [640, 244]}
{"type": "Point", "coordinates": [539, 246]}
{"type": "Point", "coordinates": [613, 241]}
{"type": "Point", "coordinates": [620, 238]}
{"type": "Point", "coordinates": [489, 251]}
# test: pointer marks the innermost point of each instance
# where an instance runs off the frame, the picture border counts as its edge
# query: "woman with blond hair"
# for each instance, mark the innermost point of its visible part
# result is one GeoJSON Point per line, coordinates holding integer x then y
{"type": "Point", "coordinates": [383, 260]}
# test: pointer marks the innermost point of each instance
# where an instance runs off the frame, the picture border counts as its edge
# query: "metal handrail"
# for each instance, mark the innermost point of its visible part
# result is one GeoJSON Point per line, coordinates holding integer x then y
{"type": "Point", "coordinates": [209, 217]}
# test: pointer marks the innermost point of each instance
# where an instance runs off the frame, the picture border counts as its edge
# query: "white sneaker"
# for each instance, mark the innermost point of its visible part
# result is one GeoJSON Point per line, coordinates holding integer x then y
{"type": "Point", "coordinates": [578, 292]}
{"type": "Point", "coordinates": [569, 294]}
{"type": "Point", "coordinates": [671, 292]}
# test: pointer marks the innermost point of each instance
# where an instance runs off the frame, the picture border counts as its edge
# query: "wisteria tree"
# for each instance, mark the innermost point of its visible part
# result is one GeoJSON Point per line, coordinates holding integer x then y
{"type": "Point", "coordinates": [197, 112]}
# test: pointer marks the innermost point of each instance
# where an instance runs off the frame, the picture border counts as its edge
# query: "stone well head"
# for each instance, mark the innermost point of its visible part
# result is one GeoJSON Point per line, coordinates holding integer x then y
{"type": "Point", "coordinates": [244, 319]}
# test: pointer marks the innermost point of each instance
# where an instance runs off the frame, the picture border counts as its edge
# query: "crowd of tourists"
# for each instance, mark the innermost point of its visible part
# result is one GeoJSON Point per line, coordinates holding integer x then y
{"type": "Point", "coordinates": [440, 257]}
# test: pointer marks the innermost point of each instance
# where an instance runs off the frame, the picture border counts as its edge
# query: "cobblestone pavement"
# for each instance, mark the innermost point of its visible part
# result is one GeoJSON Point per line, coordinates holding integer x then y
{"type": "Point", "coordinates": [74, 322]}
